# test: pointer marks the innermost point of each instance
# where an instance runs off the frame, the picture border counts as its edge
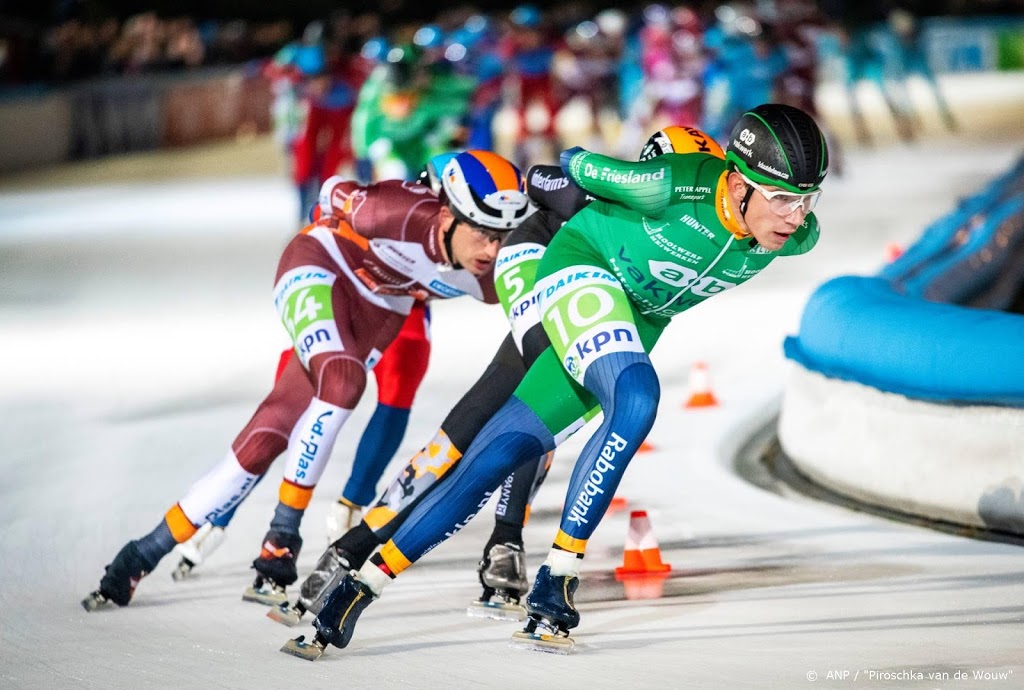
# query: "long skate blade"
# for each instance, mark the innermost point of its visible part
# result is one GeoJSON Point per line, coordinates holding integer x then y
{"type": "Point", "coordinates": [542, 642]}
{"type": "Point", "coordinates": [94, 602]}
{"type": "Point", "coordinates": [265, 596]}
{"type": "Point", "coordinates": [496, 611]}
{"type": "Point", "coordinates": [285, 615]}
{"type": "Point", "coordinates": [298, 647]}
{"type": "Point", "coordinates": [182, 571]}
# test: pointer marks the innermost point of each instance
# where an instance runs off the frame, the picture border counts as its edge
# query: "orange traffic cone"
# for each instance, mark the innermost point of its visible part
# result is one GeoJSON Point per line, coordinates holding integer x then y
{"type": "Point", "coordinates": [700, 387]}
{"type": "Point", "coordinates": [641, 554]}
{"type": "Point", "coordinates": [645, 447]}
{"type": "Point", "coordinates": [642, 573]}
{"type": "Point", "coordinates": [893, 251]}
{"type": "Point", "coordinates": [618, 503]}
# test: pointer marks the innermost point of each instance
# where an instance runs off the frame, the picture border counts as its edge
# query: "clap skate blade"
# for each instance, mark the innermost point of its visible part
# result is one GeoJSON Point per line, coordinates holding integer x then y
{"type": "Point", "coordinates": [265, 592]}
{"type": "Point", "coordinates": [540, 636]}
{"type": "Point", "coordinates": [309, 651]}
{"type": "Point", "coordinates": [95, 601]}
{"type": "Point", "coordinates": [286, 614]}
{"type": "Point", "coordinates": [500, 609]}
{"type": "Point", "coordinates": [182, 570]}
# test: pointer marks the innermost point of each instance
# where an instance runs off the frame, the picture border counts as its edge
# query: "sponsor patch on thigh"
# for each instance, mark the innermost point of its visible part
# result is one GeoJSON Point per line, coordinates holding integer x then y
{"type": "Point", "coordinates": [602, 339]}
{"type": "Point", "coordinates": [303, 300]}
{"type": "Point", "coordinates": [586, 314]}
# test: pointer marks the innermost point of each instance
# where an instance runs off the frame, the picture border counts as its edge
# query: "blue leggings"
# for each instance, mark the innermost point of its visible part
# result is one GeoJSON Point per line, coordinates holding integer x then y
{"type": "Point", "coordinates": [626, 386]}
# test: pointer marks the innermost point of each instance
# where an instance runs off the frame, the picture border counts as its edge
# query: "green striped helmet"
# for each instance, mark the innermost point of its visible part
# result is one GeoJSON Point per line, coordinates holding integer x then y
{"type": "Point", "coordinates": [781, 146]}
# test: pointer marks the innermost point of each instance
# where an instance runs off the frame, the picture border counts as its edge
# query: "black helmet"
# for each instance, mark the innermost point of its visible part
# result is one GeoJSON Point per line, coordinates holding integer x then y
{"type": "Point", "coordinates": [779, 145]}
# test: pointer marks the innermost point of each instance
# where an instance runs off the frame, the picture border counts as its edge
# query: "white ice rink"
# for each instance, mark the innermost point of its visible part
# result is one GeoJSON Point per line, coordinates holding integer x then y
{"type": "Point", "coordinates": [137, 336]}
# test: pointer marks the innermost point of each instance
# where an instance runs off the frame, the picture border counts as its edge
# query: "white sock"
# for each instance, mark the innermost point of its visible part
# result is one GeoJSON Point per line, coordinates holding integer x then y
{"type": "Point", "coordinates": [373, 577]}
{"type": "Point", "coordinates": [563, 563]}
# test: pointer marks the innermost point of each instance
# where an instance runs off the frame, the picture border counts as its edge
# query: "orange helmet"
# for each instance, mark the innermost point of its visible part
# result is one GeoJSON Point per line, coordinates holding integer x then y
{"type": "Point", "coordinates": [680, 139]}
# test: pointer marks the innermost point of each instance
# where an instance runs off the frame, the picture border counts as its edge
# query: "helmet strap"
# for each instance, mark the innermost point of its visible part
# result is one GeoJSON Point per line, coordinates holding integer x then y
{"type": "Point", "coordinates": [447, 237]}
{"type": "Point", "coordinates": [746, 200]}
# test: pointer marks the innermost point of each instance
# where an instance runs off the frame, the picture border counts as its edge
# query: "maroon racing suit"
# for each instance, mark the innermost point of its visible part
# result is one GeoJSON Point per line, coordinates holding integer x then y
{"type": "Point", "coordinates": [343, 289]}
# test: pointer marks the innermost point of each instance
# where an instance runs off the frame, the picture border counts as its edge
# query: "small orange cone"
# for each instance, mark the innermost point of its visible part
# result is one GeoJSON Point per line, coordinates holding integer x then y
{"type": "Point", "coordinates": [645, 447]}
{"type": "Point", "coordinates": [700, 387]}
{"type": "Point", "coordinates": [893, 251]}
{"type": "Point", "coordinates": [641, 554]}
{"type": "Point", "coordinates": [644, 586]}
{"type": "Point", "coordinates": [642, 573]}
{"type": "Point", "coordinates": [618, 503]}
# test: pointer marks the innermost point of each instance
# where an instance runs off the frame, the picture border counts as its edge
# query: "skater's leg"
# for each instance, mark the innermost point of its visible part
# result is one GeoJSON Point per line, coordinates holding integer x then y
{"type": "Point", "coordinates": [513, 509]}
{"type": "Point", "coordinates": [210, 536]}
{"type": "Point", "coordinates": [337, 370]}
{"type": "Point", "coordinates": [428, 467]}
{"type": "Point", "coordinates": [328, 322]}
{"type": "Point", "coordinates": [516, 434]}
{"type": "Point", "coordinates": [602, 341]}
{"type": "Point", "coordinates": [627, 387]}
{"type": "Point", "coordinates": [399, 373]}
{"type": "Point", "coordinates": [435, 460]}
{"type": "Point", "coordinates": [502, 569]}
{"type": "Point", "coordinates": [221, 489]}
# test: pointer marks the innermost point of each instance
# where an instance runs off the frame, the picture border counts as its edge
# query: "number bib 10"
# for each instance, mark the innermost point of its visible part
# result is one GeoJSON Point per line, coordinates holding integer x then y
{"type": "Point", "coordinates": [587, 315]}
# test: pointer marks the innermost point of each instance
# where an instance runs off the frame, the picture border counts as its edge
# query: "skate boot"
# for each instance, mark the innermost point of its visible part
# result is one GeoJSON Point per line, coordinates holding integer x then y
{"type": "Point", "coordinates": [197, 549]}
{"type": "Point", "coordinates": [552, 614]}
{"type": "Point", "coordinates": [122, 577]}
{"type": "Point", "coordinates": [333, 565]}
{"type": "Point", "coordinates": [336, 621]}
{"type": "Point", "coordinates": [341, 517]}
{"type": "Point", "coordinates": [275, 568]}
{"type": "Point", "coordinates": [503, 575]}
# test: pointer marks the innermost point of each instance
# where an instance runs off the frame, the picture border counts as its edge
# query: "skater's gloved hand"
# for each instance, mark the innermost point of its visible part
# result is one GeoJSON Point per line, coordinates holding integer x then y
{"type": "Point", "coordinates": [566, 156]}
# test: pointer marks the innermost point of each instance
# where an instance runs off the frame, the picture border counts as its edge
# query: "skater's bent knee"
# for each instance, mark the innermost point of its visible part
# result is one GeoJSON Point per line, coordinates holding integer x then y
{"type": "Point", "coordinates": [340, 380]}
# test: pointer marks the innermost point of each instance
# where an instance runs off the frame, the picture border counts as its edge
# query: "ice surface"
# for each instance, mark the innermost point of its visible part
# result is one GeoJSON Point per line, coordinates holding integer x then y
{"type": "Point", "coordinates": [135, 346]}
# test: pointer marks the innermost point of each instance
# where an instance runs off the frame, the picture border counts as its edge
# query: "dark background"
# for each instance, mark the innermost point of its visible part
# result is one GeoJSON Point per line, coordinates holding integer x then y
{"type": "Point", "coordinates": [417, 10]}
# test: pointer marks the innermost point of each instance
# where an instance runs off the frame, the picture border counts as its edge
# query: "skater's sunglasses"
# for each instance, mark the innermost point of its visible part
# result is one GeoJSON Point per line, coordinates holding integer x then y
{"type": "Point", "coordinates": [487, 233]}
{"type": "Point", "coordinates": [783, 203]}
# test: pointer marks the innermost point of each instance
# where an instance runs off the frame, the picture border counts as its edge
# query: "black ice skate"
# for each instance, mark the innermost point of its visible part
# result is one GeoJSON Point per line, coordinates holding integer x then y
{"type": "Point", "coordinates": [333, 565]}
{"type": "Point", "coordinates": [336, 621]}
{"type": "Point", "coordinates": [552, 614]}
{"type": "Point", "coordinates": [275, 569]}
{"type": "Point", "coordinates": [122, 577]}
{"type": "Point", "coordinates": [503, 576]}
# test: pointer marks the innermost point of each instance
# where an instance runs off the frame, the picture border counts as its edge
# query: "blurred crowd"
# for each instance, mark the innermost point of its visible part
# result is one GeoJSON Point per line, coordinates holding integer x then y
{"type": "Point", "coordinates": [80, 49]}
{"type": "Point", "coordinates": [376, 99]}
{"type": "Point", "coordinates": [528, 82]}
